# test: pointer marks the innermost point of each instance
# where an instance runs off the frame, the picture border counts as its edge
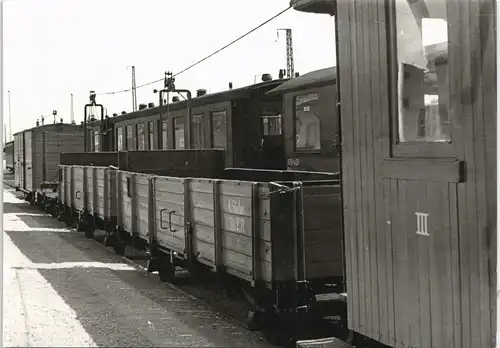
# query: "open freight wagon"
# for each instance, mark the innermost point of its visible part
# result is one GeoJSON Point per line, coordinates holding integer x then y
{"type": "Point", "coordinates": [37, 152]}
{"type": "Point", "coordinates": [278, 238]}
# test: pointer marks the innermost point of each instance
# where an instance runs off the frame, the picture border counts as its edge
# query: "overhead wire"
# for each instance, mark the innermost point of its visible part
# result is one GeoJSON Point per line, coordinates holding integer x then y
{"type": "Point", "coordinates": [203, 59]}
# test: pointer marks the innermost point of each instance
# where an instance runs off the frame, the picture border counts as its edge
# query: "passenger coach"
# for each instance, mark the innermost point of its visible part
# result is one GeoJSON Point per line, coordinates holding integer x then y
{"type": "Point", "coordinates": [417, 93]}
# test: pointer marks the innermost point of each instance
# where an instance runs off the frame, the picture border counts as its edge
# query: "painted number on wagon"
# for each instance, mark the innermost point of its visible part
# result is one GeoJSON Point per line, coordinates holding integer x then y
{"type": "Point", "coordinates": [422, 224]}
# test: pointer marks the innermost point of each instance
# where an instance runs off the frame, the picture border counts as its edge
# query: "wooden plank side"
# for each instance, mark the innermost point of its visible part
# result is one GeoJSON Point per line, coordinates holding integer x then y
{"type": "Point", "coordinates": [489, 100]}
{"type": "Point", "coordinates": [169, 198]}
{"type": "Point", "coordinates": [344, 51]}
{"type": "Point", "coordinates": [201, 196]}
{"type": "Point", "coordinates": [366, 151]}
{"type": "Point", "coordinates": [141, 205]}
{"type": "Point", "coordinates": [323, 232]}
{"type": "Point", "coordinates": [236, 226]}
{"type": "Point", "coordinates": [470, 241]}
{"type": "Point", "coordinates": [100, 194]}
{"type": "Point", "coordinates": [78, 199]}
{"type": "Point", "coordinates": [479, 153]}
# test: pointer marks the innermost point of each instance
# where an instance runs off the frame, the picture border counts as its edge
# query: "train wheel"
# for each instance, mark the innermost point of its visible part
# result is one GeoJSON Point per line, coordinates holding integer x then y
{"type": "Point", "coordinates": [256, 320]}
{"type": "Point", "coordinates": [166, 271]}
{"type": "Point", "coordinates": [119, 248]}
{"type": "Point", "coordinates": [89, 231]}
{"type": "Point", "coordinates": [109, 239]}
{"type": "Point", "coordinates": [81, 226]}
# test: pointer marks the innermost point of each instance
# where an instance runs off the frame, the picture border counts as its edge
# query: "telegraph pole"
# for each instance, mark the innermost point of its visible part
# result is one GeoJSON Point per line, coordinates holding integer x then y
{"type": "Point", "coordinates": [72, 111]}
{"type": "Point", "coordinates": [289, 53]}
{"type": "Point", "coordinates": [134, 89]}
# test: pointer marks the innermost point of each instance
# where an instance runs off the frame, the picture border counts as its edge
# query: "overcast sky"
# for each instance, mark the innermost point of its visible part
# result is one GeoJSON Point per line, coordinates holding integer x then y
{"type": "Point", "coordinates": [53, 48]}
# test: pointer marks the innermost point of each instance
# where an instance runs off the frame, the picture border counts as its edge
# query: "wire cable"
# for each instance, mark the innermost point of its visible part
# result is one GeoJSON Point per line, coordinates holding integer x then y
{"type": "Point", "coordinates": [203, 59]}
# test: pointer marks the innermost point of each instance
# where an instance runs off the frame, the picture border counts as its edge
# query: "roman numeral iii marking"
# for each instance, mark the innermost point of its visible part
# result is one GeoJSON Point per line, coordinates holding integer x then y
{"type": "Point", "coordinates": [422, 223]}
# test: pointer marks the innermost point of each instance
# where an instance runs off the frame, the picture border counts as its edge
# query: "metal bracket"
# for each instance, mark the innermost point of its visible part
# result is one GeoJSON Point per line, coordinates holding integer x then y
{"type": "Point", "coordinates": [169, 220]}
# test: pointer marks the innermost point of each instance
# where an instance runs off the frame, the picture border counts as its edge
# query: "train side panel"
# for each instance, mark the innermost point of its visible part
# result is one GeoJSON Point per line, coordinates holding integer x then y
{"type": "Point", "coordinates": [110, 192]}
{"type": "Point", "coordinates": [18, 160]}
{"type": "Point", "coordinates": [101, 200]}
{"type": "Point", "coordinates": [134, 203]}
{"type": "Point", "coordinates": [30, 162]}
{"type": "Point", "coordinates": [67, 139]}
{"type": "Point", "coordinates": [169, 213]}
{"type": "Point", "coordinates": [90, 190]}
{"type": "Point", "coordinates": [322, 231]}
{"type": "Point", "coordinates": [202, 217]}
{"type": "Point", "coordinates": [78, 191]}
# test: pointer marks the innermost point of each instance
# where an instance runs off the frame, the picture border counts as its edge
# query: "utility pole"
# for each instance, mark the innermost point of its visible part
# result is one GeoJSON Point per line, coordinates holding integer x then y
{"type": "Point", "coordinates": [289, 53]}
{"type": "Point", "coordinates": [134, 89]}
{"type": "Point", "coordinates": [10, 121]}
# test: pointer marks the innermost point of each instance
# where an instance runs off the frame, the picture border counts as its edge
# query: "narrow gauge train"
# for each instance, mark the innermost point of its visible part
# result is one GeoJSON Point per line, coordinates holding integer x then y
{"type": "Point", "coordinates": [271, 234]}
{"type": "Point", "coordinates": [418, 169]}
{"type": "Point", "coordinates": [222, 218]}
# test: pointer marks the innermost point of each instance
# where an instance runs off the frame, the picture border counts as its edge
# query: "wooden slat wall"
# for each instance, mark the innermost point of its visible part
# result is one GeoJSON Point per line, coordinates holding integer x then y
{"type": "Point", "coordinates": [461, 295]}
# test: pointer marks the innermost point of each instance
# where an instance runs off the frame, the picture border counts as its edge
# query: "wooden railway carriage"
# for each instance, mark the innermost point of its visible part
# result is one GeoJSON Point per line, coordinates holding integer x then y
{"type": "Point", "coordinates": [272, 231]}
{"type": "Point", "coordinates": [37, 151]}
{"type": "Point", "coordinates": [418, 169]}
{"type": "Point", "coordinates": [245, 122]}
{"type": "Point", "coordinates": [311, 123]}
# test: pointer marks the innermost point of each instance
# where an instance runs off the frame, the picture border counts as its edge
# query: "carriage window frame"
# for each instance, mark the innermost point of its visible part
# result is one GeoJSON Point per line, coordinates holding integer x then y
{"type": "Point", "coordinates": [212, 133]}
{"type": "Point", "coordinates": [164, 134]}
{"type": "Point", "coordinates": [139, 140]}
{"type": "Point", "coordinates": [182, 120]}
{"type": "Point", "coordinates": [294, 110]}
{"type": "Point", "coordinates": [130, 140]}
{"type": "Point", "coordinates": [265, 126]}
{"type": "Point", "coordinates": [415, 149]}
{"type": "Point", "coordinates": [198, 141]}
{"type": "Point", "coordinates": [96, 143]}
{"type": "Point", "coordinates": [151, 135]}
{"type": "Point", "coordinates": [119, 139]}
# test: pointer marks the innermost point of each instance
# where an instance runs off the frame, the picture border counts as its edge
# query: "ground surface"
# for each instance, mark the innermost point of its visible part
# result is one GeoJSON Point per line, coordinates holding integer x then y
{"type": "Point", "coordinates": [63, 290]}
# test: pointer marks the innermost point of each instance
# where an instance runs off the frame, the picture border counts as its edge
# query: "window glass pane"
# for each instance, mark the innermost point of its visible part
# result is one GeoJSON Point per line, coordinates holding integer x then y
{"type": "Point", "coordinates": [422, 52]}
{"type": "Point", "coordinates": [198, 138]}
{"type": "Point", "coordinates": [179, 132]}
{"type": "Point", "coordinates": [140, 136]}
{"type": "Point", "coordinates": [151, 135]}
{"type": "Point", "coordinates": [120, 138]}
{"type": "Point", "coordinates": [271, 125]}
{"type": "Point", "coordinates": [96, 141]}
{"type": "Point", "coordinates": [130, 140]}
{"type": "Point", "coordinates": [165, 135]}
{"type": "Point", "coordinates": [307, 122]}
{"type": "Point", "coordinates": [219, 137]}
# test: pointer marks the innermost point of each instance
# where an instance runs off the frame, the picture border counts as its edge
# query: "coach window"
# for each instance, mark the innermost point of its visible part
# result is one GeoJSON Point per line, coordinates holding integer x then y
{"type": "Point", "coordinates": [119, 138]}
{"type": "Point", "coordinates": [164, 128]}
{"type": "Point", "coordinates": [271, 125]}
{"type": "Point", "coordinates": [421, 39]}
{"type": "Point", "coordinates": [151, 130]}
{"type": "Point", "coordinates": [130, 138]}
{"type": "Point", "coordinates": [179, 132]}
{"type": "Point", "coordinates": [96, 141]}
{"type": "Point", "coordinates": [198, 138]}
{"type": "Point", "coordinates": [219, 137]}
{"type": "Point", "coordinates": [140, 136]}
{"type": "Point", "coordinates": [307, 123]}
